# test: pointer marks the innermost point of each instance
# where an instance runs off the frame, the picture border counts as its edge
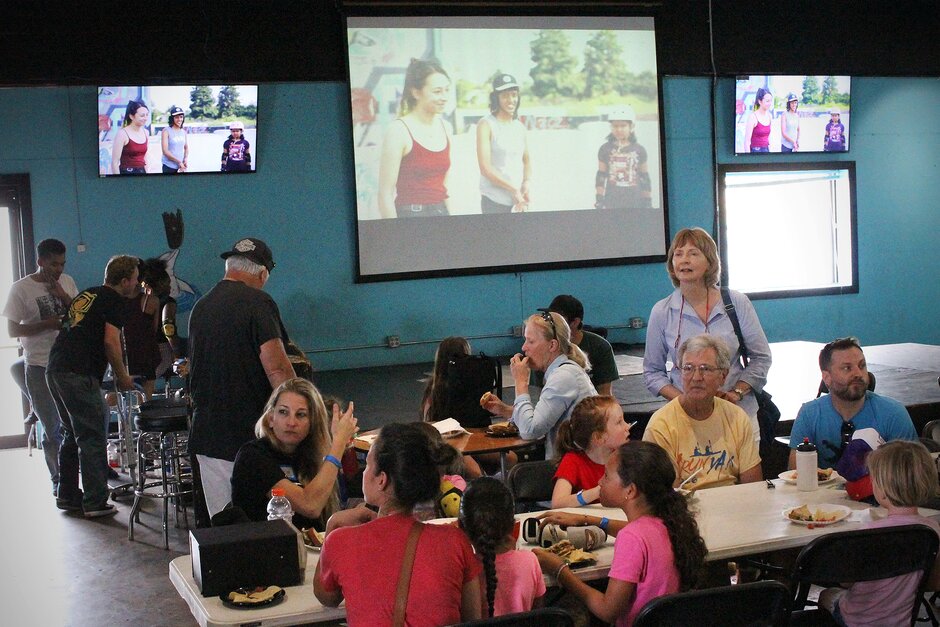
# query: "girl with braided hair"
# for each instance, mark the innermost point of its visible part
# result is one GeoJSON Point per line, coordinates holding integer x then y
{"type": "Point", "coordinates": [486, 515]}
{"type": "Point", "coordinates": [658, 549]}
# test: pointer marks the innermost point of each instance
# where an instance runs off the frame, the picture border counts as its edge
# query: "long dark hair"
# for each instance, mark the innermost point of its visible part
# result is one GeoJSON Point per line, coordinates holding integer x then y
{"type": "Point", "coordinates": [131, 111]}
{"type": "Point", "coordinates": [647, 466]}
{"type": "Point", "coordinates": [435, 398]}
{"type": "Point", "coordinates": [486, 515]}
{"type": "Point", "coordinates": [416, 75]}
{"type": "Point", "coordinates": [410, 460]}
{"type": "Point", "coordinates": [587, 418]}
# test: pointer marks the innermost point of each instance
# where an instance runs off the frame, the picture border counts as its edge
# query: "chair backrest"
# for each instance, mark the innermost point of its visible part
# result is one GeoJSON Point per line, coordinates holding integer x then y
{"type": "Point", "coordinates": [824, 389]}
{"type": "Point", "coordinates": [468, 378]}
{"type": "Point", "coordinates": [864, 555]}
{"type": "Point", "coordinates": [758, 603]}
{"type": "Point", "coordinates": [531, 482]}
{"type": "Point", "coordinates": [932, 430]}
{"type": "Point", "coordinates": [543, 617]}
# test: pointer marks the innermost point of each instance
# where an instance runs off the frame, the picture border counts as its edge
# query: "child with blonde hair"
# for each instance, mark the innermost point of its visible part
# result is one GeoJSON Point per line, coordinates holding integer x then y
{"type": "Point", "coordinates": [903, 476]}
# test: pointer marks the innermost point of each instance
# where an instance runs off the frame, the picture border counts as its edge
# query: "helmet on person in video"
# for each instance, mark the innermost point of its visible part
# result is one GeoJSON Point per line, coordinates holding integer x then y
{"type": "Point", "coordinates": [622, 114]}
{"type": "Point", "coordinates": [835, 111]}
{"type": "Point", "coordinates": [236, 126]}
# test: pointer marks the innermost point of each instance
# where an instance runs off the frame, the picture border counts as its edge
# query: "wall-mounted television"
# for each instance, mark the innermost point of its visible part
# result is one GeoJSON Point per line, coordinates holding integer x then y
{"type": "Point", "coordinates": [784, 114]}
{"type": "Point", "coordinates": [177, 129]}
{"type": "Point", "coordinates": [504, 143]}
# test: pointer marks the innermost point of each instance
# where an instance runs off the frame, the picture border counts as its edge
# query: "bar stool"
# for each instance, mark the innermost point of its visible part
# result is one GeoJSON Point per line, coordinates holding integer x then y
{"type": "Point", "coordinates": [162, 448]}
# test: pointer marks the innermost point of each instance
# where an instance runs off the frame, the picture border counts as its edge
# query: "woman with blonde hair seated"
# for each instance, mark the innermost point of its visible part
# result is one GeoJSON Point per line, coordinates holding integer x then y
{"type": "Point", "coordinates": [547, 348]}
{"type": "Point", "coordinates": [297, 449]}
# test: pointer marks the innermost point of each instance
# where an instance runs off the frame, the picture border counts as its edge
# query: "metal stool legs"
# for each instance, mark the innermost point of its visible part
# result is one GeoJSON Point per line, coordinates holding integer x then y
{"type": "Point", "coordinates": [163, 452]}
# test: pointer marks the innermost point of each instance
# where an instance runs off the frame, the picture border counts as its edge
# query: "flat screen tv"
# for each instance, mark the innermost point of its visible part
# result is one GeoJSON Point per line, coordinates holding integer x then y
{"type": "Point", "coordinates": [786, 114]}
{"type": "Point", "coordinates": [218, 130]}
{"type": "Point", "coordinates": [503, 143]}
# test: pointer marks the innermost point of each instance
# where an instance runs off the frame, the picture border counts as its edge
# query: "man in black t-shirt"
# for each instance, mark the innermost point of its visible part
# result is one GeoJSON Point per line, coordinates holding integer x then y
{"type": "Point", "coordinates": [89, 341]}
{"type": "Point", "coordinates": [237, 357]}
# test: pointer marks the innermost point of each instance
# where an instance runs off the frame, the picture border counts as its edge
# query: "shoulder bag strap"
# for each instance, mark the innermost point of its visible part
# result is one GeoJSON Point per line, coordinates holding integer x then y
{"type": "Point", "coordinates": [733, 316]}
{"type": "Point", "coordinates": [404, 577]}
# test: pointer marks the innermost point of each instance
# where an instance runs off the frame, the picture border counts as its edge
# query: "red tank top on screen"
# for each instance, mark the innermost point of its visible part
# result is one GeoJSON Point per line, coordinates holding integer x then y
{"type": "Point", "coordinates": [133, 154]}
{"type": "Point", "coordinates": [421, 174]}
{"type": "Point", "coordinates": [760, 136]}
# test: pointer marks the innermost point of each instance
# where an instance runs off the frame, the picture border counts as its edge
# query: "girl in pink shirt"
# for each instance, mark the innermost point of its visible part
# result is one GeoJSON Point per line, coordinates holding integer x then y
{"type": "Point", "coordinates": [903, 476]}
{"type": "Point", "coordinates": [658, 551]}
{"type": "Point", "coordinates": [513, 578]}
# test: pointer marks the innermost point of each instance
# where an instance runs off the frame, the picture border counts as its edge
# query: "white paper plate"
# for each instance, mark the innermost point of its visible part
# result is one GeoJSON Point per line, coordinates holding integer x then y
{"type": "Point", "coordinates": [841, 511]}
{"type": "Point", "coordinates": [789, 476]}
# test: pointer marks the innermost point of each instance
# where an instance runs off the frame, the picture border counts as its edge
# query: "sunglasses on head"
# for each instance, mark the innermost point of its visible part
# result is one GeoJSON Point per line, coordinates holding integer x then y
{"type": "Point", "coordinates": [547, 316]}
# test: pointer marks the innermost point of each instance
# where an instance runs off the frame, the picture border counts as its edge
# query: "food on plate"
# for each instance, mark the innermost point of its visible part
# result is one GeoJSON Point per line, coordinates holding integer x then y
{"type": "Point", "coordinates": [822, 474]}
{"type": "Point", "coordinates": [485, 398]}
{"type": "Point", "coordinates": [253, 595]}
{"type": "Point", "coordinates": [503, 429]}
{"type": "Point", "coordinates": [313, 538]}
{"type": "Point", "coordinates": [566, 550]}
{"type": "Point", "coordinates": [804, 514]}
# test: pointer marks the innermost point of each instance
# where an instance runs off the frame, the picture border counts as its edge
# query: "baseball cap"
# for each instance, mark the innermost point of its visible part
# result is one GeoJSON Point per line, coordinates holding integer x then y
{"type": "Point", "coordinates": [505, 81]}
{"type": "Point", "coordinates": [568, 306]}
{"type": "Point", "coordinates": [253, 249]}
{"type": "Point", "coordinates": [791, 97]}
{"type": "Point", "coordinates": [174, 110]}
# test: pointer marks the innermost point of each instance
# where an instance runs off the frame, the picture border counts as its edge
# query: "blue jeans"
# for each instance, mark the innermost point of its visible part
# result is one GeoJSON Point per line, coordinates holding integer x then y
{"type": "Point", "coordinates": [84, 439]}
{"type": "Point", "coordinates": [45, 409]}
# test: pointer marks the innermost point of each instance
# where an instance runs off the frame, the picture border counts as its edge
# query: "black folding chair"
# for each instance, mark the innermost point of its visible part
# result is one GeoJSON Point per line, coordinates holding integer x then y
{"type": "Point", "coordinates": [861, 555]}
{"type": "Point", "coordinates": [530, 483]}
{"type": "Point", "coordinates": [750, 604]}
{"type": "Point", "coordinates": [544, 617]}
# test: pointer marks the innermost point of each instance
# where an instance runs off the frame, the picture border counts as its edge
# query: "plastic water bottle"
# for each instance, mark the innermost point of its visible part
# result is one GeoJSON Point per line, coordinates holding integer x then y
{"type": "Point", "coordinates": [114, 458]}
{"type": "Point", "coordinates": [806, 464]}
{"type": "Point", "coordinates": [279, 506]}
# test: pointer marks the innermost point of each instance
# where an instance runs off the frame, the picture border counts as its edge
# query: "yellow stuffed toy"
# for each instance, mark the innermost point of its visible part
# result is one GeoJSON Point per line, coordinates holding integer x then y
{"type": "Point", "coordinates": [449, 499]}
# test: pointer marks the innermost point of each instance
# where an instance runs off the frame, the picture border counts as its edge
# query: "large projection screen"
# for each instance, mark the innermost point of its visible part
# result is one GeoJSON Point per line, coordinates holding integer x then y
{"type": "Point", "coordinates": [455, 176]}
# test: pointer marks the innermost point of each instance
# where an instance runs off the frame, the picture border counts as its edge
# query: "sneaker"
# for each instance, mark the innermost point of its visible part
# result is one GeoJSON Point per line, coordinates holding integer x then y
{"type": "Point", "coordinates": [68, 506]}
{"type": "Point", "coordinates": [101, 510]}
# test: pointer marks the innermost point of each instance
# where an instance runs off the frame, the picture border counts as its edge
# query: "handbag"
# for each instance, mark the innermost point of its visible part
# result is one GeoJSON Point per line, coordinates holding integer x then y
{"type": "Point", "coordinates": [768, 414]}
{"type": "Point", "coordinates": [404, 577]}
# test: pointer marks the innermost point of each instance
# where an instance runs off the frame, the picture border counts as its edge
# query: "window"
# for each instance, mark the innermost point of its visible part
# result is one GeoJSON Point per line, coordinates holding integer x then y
{"type": "Point", "coordinates": [788, 229]}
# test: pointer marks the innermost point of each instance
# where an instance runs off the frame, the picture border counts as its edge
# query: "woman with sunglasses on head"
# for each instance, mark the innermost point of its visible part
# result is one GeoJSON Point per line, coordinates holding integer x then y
{"type": "Point", "coordinates": [696, 307]}
{"type": "Point", "coordinates": [547, 348]}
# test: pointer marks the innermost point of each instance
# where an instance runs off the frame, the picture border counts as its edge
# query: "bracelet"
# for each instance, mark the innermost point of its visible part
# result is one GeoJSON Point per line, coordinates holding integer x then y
{"type": "Point", "coordinates": [334, 461]}
{"type": "Point", "coordinates": [740, 392]}
{"type": "Point", "coordinates": [603, 523]}
{"type": "Point", "coordinates": [560, 568]}
{"type": "Point", "coordinates": [581, 497]}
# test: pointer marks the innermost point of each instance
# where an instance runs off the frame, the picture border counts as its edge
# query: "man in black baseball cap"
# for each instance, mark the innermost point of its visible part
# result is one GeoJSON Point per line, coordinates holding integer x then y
{"type": "Point", "coordinates": [237, 356]}
{"type": "Point", "coordinates": [599, 352]}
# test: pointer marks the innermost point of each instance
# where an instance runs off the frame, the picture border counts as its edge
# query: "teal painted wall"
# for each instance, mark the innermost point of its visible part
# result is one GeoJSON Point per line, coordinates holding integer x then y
{"type": "Point", "coordinates": [301, 203]}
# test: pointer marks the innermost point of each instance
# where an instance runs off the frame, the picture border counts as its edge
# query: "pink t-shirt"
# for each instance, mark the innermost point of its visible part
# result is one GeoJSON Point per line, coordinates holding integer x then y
{"type": "Point", "coordinates": [365, 562]}
{"type": "Point", "coordinates": [884, 602]}
{"type": "Point", "coordinates": [519, 583]}
{"type": "Point", "coordinates": [643, 555]}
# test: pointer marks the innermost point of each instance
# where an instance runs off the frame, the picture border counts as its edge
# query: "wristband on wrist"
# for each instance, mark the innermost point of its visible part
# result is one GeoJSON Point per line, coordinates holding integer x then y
{"type": "Point", "coordinates": [581, 497]}
{"type": "Point", "coordinates": [334, 461]}
{"type": "Point", "coordinates": [560, 568]}
{"type": "Point", "coordinates": [740, 392]}
{"type": "Point", "coordinates": [603, 523]}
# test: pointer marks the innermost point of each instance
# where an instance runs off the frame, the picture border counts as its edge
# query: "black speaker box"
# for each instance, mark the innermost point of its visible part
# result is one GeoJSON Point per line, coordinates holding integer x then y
{"type": "Point", "coordinates": [245, 555]}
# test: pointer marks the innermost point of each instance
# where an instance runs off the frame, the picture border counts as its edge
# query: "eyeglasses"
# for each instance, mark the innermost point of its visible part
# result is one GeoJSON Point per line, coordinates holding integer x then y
{"type": "Point", "coordinates": [702, 369]}
{"type": "Point", "coordinates": [848, 428]}
{"type": "Point", "coordinates": [547, 316]}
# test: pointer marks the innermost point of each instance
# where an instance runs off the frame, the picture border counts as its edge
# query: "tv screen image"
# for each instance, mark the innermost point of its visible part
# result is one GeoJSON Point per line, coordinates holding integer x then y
{"type": "Point", "coordinates": [803, 113]}
{"type": "Point", "coordinates": [216, 133]}
{"type": "Point", "coordinates": [500, 132]}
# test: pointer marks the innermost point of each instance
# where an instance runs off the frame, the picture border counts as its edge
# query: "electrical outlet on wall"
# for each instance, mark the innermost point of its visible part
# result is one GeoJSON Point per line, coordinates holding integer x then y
{"type": "Point", "coordinates": [80, 248]}
{"type": "Point", "coordinates": [393, 341]}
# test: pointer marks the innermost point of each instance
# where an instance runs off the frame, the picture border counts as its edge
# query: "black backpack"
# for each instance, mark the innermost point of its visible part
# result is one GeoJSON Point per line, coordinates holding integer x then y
{"type": "Point", "coordinates": [468, 378]}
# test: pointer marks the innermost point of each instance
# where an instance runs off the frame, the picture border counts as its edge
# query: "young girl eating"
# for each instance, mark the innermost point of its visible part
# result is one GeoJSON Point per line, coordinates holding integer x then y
{"type": "Point", "coordinates": [513, 578]}
{"type": "Point", "coordinates": [658, 550]}
{"type": "Point", "coordinates": [585, 442]}
{"type": "Point", "coordinates": [903, 476]}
